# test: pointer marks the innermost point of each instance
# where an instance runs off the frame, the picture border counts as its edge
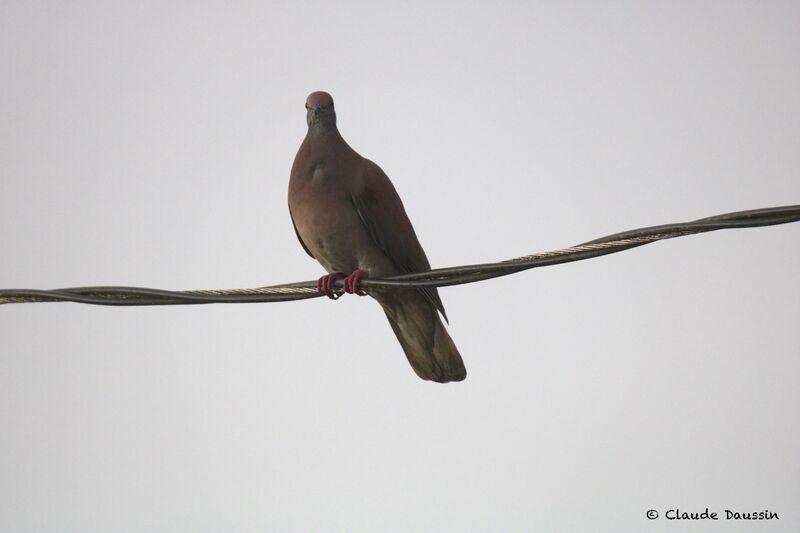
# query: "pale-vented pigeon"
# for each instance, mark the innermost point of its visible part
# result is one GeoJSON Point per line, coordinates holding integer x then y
{"type": "Point", "coordinates": [349, 217]}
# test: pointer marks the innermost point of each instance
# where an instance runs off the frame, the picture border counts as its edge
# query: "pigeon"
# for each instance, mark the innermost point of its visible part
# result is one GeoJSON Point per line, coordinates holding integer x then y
{"type": "Point", "coordinates": [348, 216]}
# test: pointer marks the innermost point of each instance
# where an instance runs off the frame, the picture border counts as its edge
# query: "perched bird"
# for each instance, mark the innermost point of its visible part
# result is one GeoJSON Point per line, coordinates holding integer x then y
{"type": "Point", "coordinates": [349, 217]}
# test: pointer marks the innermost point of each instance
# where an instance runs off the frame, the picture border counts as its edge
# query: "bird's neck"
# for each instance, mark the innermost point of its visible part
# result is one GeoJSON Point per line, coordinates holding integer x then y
{"type": "Point", "coordinates": [321, 136]}
{"type": "Point", "coordinates": [322, 128]}
{"type": "Point", "coordinates": [325, 146]}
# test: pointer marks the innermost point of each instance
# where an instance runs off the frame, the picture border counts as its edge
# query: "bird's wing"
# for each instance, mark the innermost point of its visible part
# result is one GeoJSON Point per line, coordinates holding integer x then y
{"type": "Point", "coordinates": [298, 236]}
{"type": "Point", "coordinates": [381, 211]}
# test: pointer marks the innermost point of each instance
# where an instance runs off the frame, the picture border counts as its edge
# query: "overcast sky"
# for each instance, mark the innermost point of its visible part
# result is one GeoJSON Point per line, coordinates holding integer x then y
{"type": "Point", "coordinates": [149, 144]}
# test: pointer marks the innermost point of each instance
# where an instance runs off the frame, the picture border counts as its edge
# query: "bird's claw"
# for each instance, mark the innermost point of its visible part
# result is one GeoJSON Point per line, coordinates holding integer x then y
{"type": "Point", "coordinates": [325, 285]}
{"type": "Point", "coordinates": [352, 281]}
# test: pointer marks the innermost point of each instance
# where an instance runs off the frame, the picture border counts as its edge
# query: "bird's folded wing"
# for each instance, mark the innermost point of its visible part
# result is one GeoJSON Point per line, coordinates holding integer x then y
{"type": "Point", "coordinates": [298, 236]}
{"type": "Point", "coordinates": [381, 211]}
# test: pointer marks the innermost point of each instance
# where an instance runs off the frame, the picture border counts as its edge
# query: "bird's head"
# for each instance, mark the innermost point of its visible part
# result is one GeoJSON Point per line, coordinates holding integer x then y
{"type": "Point", "coordinates": [320, 114]}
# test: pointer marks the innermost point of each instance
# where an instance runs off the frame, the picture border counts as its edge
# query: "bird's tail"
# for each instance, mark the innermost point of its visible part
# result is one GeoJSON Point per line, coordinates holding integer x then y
{"type": "Point", "coordinates": [427, 345]}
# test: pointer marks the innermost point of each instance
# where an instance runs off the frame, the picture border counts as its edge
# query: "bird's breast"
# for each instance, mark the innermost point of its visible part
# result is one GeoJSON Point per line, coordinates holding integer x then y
{"type": "Point", "coordinates": [319, 173]}
{"type": "Point", "coordinates": [326, 220]}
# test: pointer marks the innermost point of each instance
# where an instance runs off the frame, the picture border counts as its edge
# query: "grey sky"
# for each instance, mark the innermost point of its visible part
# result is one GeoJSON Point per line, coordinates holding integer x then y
{"type": "Point", "coordinates": [150, 144]}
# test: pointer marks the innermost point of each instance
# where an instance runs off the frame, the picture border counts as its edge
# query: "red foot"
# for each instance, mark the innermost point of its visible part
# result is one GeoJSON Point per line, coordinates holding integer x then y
{"type": "Point", "coordinates": [325, 285]}
{"type": "Point", "coordinates": [351, 282]}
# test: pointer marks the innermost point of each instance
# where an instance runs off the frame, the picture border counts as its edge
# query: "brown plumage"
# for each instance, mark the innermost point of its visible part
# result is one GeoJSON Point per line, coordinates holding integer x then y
{"type": "Point", "coordinates": [348, 216]}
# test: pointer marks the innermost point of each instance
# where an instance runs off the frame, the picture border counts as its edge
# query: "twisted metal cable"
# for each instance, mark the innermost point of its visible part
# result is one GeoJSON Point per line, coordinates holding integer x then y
{"type": "Point", "coordinates": [441, 277]}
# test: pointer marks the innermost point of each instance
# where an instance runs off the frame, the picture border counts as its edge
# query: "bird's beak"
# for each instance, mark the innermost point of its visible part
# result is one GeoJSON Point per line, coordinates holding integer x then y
{"type": "Point", "coordinates": [315, 109]}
